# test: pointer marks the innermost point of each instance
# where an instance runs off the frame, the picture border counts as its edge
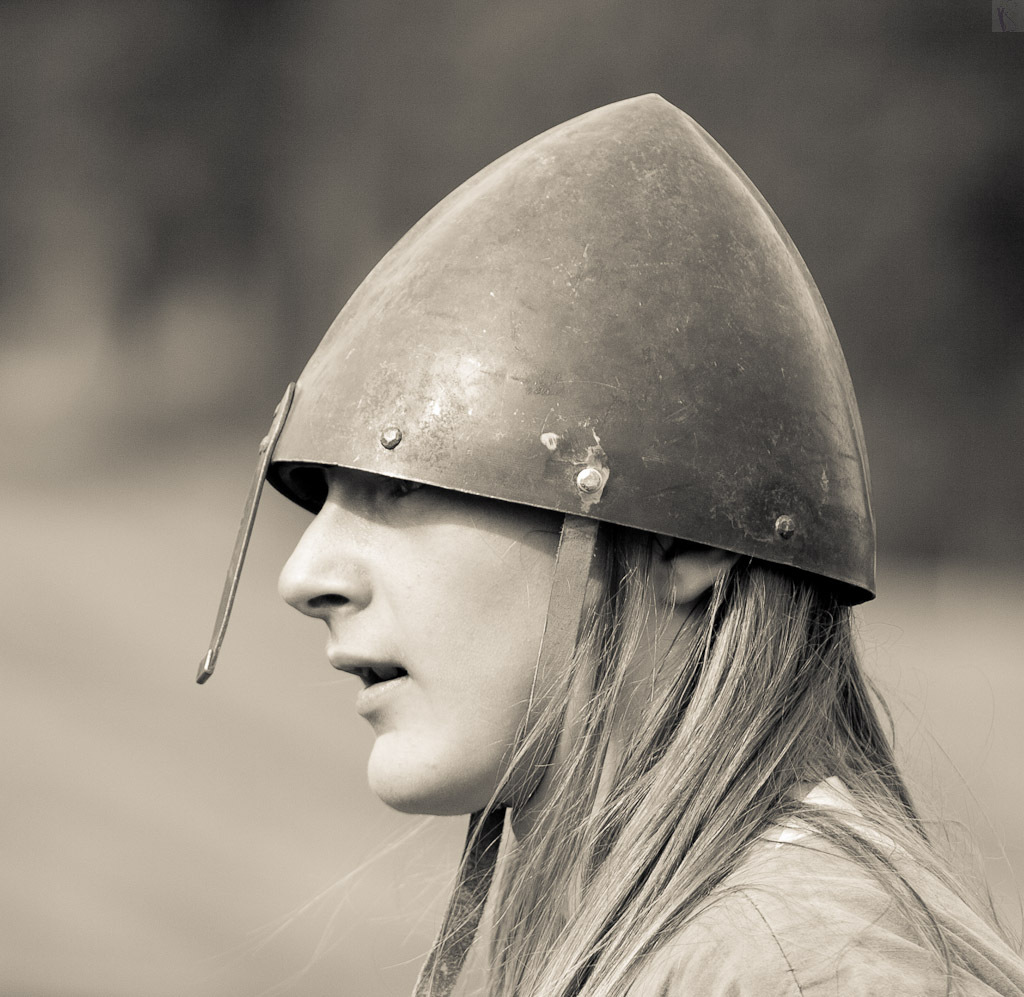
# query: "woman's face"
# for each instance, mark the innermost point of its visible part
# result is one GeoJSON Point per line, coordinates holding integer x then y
{"type": "Point", "coordinates": [437, 602]}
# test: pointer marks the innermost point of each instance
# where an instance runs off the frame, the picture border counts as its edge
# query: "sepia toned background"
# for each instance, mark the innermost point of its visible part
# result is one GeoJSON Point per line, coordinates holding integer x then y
{"type": "Point", "coordinates": [189, 193]}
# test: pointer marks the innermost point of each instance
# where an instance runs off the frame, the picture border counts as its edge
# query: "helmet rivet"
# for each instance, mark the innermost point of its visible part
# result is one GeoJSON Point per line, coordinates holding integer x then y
{"type": "Point", "coordinates": [589, 480]}
{"type": "Point", "coordinates": [390, 437]}
{"type": "Point", "coordinates": [785, 527]}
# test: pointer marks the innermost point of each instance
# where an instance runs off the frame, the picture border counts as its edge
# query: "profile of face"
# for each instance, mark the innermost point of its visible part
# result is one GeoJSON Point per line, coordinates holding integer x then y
{"type": "Point", "coordinates": [437, 601]}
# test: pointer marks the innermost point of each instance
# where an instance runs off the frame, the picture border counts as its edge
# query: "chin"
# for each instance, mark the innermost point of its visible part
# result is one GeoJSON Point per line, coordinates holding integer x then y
{"type": "Point", "coordinates": [415, 786]}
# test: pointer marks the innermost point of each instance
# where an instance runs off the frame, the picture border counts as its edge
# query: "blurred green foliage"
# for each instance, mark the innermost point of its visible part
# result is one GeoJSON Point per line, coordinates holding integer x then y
{"type": "Point", "coordinates": [192, 189]}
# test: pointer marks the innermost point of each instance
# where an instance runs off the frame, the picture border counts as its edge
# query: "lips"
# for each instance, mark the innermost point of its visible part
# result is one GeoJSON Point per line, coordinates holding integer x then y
{"type": "Point", "coordinates": [382, 681]}
{"type": "Point", "coordinates": [369, 671]}
{"type": "Point", "coordinates": [373, 674]}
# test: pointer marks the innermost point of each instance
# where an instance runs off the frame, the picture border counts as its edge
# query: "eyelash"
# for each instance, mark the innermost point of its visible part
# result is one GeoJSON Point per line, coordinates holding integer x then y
{"type": "Point", "coordinates": [400, 487]}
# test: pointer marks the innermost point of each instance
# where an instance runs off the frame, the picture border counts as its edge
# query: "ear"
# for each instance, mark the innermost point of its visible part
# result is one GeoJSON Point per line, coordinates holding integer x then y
{"type": "Point", "coordinates": [685, 571]}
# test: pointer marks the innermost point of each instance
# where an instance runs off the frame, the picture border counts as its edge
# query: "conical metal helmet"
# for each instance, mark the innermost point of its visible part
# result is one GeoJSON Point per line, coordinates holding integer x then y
{"type": "Point", "coordinates": [609, 321]}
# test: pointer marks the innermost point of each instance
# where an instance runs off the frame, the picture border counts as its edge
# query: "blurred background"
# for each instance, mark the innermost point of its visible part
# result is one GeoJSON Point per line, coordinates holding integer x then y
{"type": "Point", "coordinates": [190, 192]}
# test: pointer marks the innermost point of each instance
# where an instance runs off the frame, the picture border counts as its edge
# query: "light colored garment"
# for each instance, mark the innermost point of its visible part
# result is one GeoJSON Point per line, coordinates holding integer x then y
{"type": "Point", "coordinates": [800, 919]}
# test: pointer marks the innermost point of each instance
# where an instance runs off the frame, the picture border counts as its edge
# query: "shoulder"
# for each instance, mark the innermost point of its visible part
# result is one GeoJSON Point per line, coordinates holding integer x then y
{"type": "Point", "coordinates": [726, 951]}
{"type": "Point", "coordinates": [798, 919]}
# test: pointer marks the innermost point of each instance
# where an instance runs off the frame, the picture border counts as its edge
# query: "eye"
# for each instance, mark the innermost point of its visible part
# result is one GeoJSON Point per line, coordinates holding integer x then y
{"type": "Point", "coordinates": [308, 483]}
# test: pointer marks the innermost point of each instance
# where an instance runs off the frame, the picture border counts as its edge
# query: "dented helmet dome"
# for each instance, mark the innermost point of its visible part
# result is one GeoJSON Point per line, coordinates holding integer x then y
{"type": "Point", "coordinates": [609, 321]}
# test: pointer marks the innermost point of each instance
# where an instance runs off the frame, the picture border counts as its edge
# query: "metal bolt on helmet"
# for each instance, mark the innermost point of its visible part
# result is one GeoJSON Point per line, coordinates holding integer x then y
{"type": "Point", "coordinates": [610, 322]}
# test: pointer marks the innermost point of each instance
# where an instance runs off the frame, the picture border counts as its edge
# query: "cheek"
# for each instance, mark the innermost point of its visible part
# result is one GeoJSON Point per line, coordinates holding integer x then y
{"type": "Point", "coordinates": [479, 633]}
{"type": "Point", "coordinates": [498, 636]}
{"type": "Point", "coordinates": [484, 615]}
{"type": "Point", "coordinates": [447, 750]}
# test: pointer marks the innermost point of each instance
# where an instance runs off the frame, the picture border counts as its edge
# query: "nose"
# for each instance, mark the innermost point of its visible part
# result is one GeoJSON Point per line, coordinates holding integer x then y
{"type": "Point", "coordinates": [325, 573]}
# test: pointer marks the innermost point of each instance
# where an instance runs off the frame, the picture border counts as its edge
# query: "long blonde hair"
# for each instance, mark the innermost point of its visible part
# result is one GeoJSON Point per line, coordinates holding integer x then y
{"type": "Point", "coordinates": [766, 696]}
